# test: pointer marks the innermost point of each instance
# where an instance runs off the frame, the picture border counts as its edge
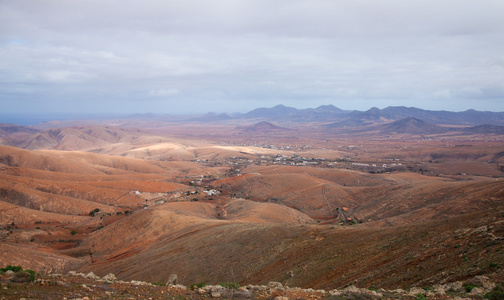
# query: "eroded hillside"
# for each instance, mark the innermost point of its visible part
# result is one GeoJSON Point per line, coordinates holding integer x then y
{"type": "Point", "coordinates": [324, 213]}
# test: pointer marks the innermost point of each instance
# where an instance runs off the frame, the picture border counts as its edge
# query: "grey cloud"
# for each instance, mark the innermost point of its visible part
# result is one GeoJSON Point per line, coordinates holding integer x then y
{"type": "Point", "coordinates": [225, 52]}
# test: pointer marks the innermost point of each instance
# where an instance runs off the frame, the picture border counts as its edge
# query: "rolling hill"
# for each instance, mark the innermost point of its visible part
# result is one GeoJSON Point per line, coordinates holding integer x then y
{"type": "Point", "coordinates": [317, 209]}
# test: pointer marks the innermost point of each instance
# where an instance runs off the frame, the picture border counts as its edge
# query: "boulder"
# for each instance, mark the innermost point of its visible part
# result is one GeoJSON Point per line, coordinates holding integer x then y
{"type": "Point", "coordinates": [91, 275]}
{"type": "Point", "coordinates": [415, 291]}
{"type": "Point", "coordinates": [172, 280]}
{"type": "Point", "coordinates": [477, 291]}
{"type": "Point", "coordinates": [275, 285]}
{"type": "Point", "coordinates": [351, 289]}
{"type": "Point", "coordinates": [110, 277]}
{"type": "Point", "coordinates": [455, 286]}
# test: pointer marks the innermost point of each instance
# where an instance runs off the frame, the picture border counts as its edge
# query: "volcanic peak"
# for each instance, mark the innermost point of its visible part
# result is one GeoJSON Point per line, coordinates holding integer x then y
{"type": "Point", "coordinates": [264, 126]}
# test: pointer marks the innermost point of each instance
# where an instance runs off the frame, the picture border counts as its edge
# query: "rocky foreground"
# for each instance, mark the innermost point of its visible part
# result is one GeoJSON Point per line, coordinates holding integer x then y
{"type": "Point", "coordinates": [89, 286]}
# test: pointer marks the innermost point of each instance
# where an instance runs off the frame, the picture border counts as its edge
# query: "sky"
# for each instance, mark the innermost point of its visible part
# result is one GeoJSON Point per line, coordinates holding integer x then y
{"type": "Point", "coordinates": [199, 56]}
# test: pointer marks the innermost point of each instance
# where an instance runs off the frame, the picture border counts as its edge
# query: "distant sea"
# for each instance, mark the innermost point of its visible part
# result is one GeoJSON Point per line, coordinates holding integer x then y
{"type": "Point", "coordinates": [32, 119]}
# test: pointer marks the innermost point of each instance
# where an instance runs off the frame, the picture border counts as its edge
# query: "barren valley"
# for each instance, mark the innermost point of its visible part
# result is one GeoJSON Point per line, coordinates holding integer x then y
{"type": "Point", "coordinates": [382, 202]}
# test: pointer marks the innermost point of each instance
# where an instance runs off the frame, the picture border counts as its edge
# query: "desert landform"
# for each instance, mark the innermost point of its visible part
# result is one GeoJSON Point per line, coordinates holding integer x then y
{"type": "Point", "coordinates": [317, 198]}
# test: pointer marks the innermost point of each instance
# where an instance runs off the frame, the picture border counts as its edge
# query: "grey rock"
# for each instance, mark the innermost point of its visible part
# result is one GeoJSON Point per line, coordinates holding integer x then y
{"type": "Point", "coordinates": [110, 277]}
{"type": "Point", "coordinates": [91, 275]}
{"type": "Point", "coordinates": [172, 280]}
{"type": "Point", "coordinates": [476, 291]}
{"type": "Point", "coordinates": [275, 285]}
{"type": "Point", "coordinates": [351, 289]}
{"type": "Point", "coordinates": [415, 291]}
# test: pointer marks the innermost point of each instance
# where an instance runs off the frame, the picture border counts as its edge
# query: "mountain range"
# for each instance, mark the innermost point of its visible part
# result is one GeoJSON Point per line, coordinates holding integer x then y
{"type": "Point", "coordinates": [319, 198]}
{"type": "Point", "coordinates": [345, 118]}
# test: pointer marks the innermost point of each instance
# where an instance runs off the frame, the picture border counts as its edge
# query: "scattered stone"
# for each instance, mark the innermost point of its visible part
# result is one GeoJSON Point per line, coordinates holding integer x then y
{"type": "Point", "coordinates": [216, 288]}
{"type": "Point", "coordinates": [87, 288]}
{"type": "Point", "coordinates": [351, 289]}
{"type": "Point", "coordinates": [480, 229]}
{"type": "Point", "coordinates": [415, 291]}
{"type": "Point", "coordinates": [275, 285]}
{"type": "Point", "coordinates": [91, 275]}
{"type": "Point", "coordinates": [455, 286]}
{"type": "Point", "coordinates": [62, 283]}
{"type": "Point", "coordinates": [178, 286]}
{"type": "Point", "coordinates": [476, 291]}
{"type": "Point", "coordinates": [439, 289]}
{"type": "Point", "coordinates": [137, 282]}
{"type": "Point", "coordinates": [376, 294]}
{"type": "Point", "coordinates": [485, 283]}
{"type": "Point", "coordinates": [110, 277]}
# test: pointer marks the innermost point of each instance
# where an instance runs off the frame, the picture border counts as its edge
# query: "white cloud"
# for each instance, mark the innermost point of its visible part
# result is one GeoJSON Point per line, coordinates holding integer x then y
{"type": "Point", "coordinates": [163, 92]}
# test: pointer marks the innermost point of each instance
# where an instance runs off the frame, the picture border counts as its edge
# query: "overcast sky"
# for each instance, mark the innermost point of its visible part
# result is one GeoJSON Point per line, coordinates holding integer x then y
{"type": "Point", "coordinates": [179, 57]}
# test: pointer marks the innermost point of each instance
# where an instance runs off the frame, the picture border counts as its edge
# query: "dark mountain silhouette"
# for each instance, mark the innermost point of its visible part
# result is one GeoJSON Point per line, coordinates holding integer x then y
{"type": "Point", "coordinates": [214, 117]}
{"type": "Point", "coordinates": [73, 138]}
{"type": "Point", "coordinates": [485, 129]}
{"type": "Point", "coordinates": [412, 126]}
{"type": "Point", "coordinates": [394, 113]}
{"type": "Point", "coordinates": [263, 127]}
{"type": "Point", "coordinates": [10, 133]}
{"type": "Point", "coordinates": [276, 112]}
{"type": "Point", "coordinates": [324, 113]}
{"type": "Point", "coordinates": [358, 119]}
{"type": "Point", "coordinates": [6, 129]}
{"type": "Point", "coordinates": [467, 117]}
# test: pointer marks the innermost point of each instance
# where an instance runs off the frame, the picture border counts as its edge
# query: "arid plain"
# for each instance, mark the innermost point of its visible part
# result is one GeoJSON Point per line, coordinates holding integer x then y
{"type": "Point", "coordinates": [385, 203]}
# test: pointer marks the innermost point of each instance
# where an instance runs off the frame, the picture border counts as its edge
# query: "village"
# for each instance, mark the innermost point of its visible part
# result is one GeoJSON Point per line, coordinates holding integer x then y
{"type": "Point", "coordinates": [238, 163]}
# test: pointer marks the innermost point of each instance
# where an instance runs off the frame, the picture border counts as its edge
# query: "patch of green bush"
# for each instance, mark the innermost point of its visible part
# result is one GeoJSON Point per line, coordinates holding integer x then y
{"type": "Point", "coordinates": [497, 293]}
{"type": "Point", "coordinates": [198, 285]}
{"type": "Point", "coordinates": [420, 297]}
{"type": "Point", "coordinates": [230, 285]}
{"type": "Point", "coordinates": [93, 212]}
{"type": "Point", "coordinates": [11, 268]}
{"type": "Point", "coordinates": [19, 274]}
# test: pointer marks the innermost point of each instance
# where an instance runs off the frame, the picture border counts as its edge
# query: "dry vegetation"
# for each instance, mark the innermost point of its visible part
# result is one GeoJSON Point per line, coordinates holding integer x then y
{"type": "Point", "coordinates": [311, 207]}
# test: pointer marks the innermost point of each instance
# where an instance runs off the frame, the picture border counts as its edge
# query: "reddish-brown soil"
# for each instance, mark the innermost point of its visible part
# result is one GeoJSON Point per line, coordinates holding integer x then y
{"type": "Point", "coordinates": [308, 207]}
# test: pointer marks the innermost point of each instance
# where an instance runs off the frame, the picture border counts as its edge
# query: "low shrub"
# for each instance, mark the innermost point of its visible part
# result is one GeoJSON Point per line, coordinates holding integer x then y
{"type": "Point", "coordinates": [93, 212]}
{"type": "Point", "coordinates": [230, 285]}
{"type": "Point", "coordinates": [20, 275]}
{"type": "Point", "coordinates": [497, 293]}
{"type": "Point", "coordinates": [11, 268]}
{"type": "Point", "coordinates": [198, 285]}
